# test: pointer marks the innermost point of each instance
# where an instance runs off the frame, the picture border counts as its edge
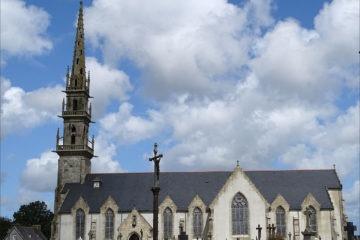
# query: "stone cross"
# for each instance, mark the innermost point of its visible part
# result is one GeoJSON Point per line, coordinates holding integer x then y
{"type": "Point", "coordinates": [259, 232]}
{"type": "Point", "coordinates": [156, 159]}
{"type": "Point", "coordinates": [350, 228]}
{"type": "Point", "coordinates": [289, 235]}
{"type": "Point", "coordinates": [269, 231]}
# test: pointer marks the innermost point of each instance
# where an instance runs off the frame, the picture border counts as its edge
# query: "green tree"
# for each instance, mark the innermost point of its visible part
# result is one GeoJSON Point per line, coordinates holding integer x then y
{"type": "Point", "coordinates": [5, 225]}
{"type": "Point", "coordinates": [35, 213]}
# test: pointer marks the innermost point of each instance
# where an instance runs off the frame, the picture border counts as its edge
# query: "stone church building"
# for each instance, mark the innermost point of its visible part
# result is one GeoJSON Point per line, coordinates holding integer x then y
{"type": "Point", "coordinates": [220, 205]}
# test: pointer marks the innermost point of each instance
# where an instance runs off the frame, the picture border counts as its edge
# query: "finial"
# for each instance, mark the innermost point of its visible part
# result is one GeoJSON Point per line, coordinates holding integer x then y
{"type": "Point", "coordinates": [155, 148]}
{"type": "Point", "coordinates": [237, 163]}
{"type": "Point", "coordinates": [334, 166]}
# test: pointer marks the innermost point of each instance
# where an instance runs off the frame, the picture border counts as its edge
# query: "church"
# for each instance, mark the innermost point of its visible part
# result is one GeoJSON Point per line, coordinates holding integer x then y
{"type": "Point", "coordinates": [219, 205]}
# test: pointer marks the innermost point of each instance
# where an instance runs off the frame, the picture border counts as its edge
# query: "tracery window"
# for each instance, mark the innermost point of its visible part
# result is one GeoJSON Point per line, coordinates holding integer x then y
{"type": "Point", "coordinates": [109, 224]}
{"type": "Point", "coordinates": [312, 219]}
{"type": "Point", "coordinates": [168, 223]}
{"type": "Point", "coordinates": [80, 223]}
{"type": "Point", "coordinates": [280, 222]}
{"type": "Point", "coordinates": [197, 222]}
{"type": "Point", "coordinates": [240, 215]}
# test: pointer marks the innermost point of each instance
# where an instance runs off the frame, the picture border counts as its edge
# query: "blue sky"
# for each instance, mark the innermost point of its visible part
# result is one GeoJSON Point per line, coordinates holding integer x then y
{"type": "Point", "coordinates": [273, 84]}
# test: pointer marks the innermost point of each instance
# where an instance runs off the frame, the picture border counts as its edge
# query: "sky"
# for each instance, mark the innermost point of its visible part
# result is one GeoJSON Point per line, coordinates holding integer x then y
{"type": "Point", "coordinates": [273, 84]}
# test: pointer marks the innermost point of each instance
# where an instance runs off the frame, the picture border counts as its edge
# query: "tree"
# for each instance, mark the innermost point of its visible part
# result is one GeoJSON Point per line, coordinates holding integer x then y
{"type": "Point", "coordinates": [5, 225]}
{"type": "Point", "coordinates": [35, 213]}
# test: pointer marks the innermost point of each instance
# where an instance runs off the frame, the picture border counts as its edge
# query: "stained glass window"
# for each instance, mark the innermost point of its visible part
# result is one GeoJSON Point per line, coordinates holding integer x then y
{"type": "Point", "coordinates": [80, 223]}
{"type": "Point", "coordinates": [240, 215]}
{"type": "Point", "coordinates": [168, 223]}
{"type": "Point", "coordinates": [197, 222]}
{"type": "Point", "coordinates": [280, 222]}
{"type": "Point", "coordinates": [109, 224]}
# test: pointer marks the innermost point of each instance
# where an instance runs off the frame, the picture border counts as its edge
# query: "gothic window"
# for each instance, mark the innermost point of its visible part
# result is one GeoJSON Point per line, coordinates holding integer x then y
{"type": "Point", "coordinates": [197, 222]}
{"type": "Point", "coordinates": [77, 61]}
{"type": "Point", "coordinates": [240, 215]}
{"type": "Point", "coordinates": [81, 71]}
{"type": "Point", "coordinates": [80, 223]}
{"type": "Point", "coordinates": [73, 129]}
{"type": "Point", "coordinates": [109, 224]}
{"type": "Point", "coordinates": [312, 219]}
{"type": "Point", "coordinates": [75, 82]}
{"type": "Point", "coordinates": [280, 221]}
{"type": "Point", "coordinates": [168, 223]}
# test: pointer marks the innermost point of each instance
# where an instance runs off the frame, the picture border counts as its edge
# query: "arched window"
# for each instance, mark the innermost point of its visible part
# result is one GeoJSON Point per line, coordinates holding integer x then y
{"type": "Point", "coordinates": [197, 222]}
{"type": "Point", "coordinates": [168, 223]}
{"type": "Point", "coordinates": [240, 215]}
{"type": "Point", "coordinates": [312, 219]}
{"type": "Point", "coordinates": [80, 223]}
{"type": "Point", "coordinates": [109, 224]}
{"type": "Point", "coordinates": [280, 222]}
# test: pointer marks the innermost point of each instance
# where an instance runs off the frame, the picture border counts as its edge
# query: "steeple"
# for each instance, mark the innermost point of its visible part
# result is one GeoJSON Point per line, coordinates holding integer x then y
{"type": "Point", "coordinates": [78, 72]}
{"type": "Point", "coordinates": [74, 147]}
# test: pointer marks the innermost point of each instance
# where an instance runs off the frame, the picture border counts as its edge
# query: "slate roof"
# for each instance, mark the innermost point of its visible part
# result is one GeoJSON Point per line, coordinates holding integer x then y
{"type": "Point", "coordinates": [28, 233]}
{"type": "Point", "coordinates": [131, 190]}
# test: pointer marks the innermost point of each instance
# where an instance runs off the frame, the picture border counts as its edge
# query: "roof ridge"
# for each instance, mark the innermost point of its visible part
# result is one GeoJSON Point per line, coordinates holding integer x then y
{"type": "Point", "coordinates": [219, 171]}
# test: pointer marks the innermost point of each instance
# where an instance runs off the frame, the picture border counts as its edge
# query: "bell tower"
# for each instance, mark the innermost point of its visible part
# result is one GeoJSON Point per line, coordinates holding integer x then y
{"type": "Point", "coordinates": [74, 148]}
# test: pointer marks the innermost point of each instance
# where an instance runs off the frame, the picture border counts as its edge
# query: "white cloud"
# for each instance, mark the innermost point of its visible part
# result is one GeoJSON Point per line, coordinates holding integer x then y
{"type": "Point", "coordinates": [127, 128]}
{"type": "Point", "coordinates": [21, 109]}
{"type": "Point", "coordinates": [332, 143]}
{"type": "Point", "coordinates": [40, 173]}
{"type": "Point", "coordinates": [182, 46]}
{"type": "Point", "coordinates": [293, 61]}
{"type": "Point", "coordinates": [23, 29]}
{"type": "Point", "coordinates": [106, 84]}
{"type": "Point", "coordinates": [105, 152]}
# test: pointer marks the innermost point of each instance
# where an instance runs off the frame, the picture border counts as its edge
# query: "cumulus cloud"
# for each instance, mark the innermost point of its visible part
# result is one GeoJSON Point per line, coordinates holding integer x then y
{"type": "Point", "coordinates": [177, 45]}
{"type": "Point", "coordinates": [21, 109]}
{"type": "Point", "coordinates": [293, 61]}
{"type": "Point", "coordinates": [105, 152]}
{"type": "Point", "coordinates": [286, 104]}
{"type": "Point", "coordinates": [133, 128]}
{"type": "Point", "coordinates": [107, 84]}
{"type": "Point", "coordinates": [40, 173]}
{"type": "Point", "coordinates": [23, 29]}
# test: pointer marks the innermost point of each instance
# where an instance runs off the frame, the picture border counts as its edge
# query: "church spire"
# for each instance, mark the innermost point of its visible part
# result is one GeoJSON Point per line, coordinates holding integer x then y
{"type": "Point", "coordinates": [78, 73]}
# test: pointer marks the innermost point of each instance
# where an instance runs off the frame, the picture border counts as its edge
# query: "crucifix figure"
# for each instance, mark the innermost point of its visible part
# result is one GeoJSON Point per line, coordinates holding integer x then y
{"type": "Point", "coordinates": [156, 159]}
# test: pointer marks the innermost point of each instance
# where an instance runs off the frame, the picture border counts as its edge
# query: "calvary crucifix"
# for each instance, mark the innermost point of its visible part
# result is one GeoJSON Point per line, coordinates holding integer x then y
{"type": "Point", "coordinates": [156, 159]}
{"type": "Point", "coordinates": [156, 189]}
